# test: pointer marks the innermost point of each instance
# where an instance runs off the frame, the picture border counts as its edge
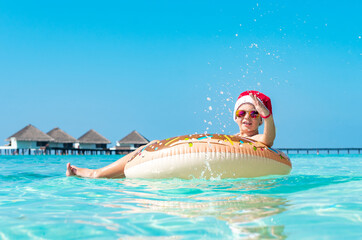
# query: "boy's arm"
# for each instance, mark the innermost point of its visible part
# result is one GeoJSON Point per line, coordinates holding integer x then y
{"type": "Point", "coordinates": [269, 132]}
{"type": "Point", "coordinates": [269, 127]}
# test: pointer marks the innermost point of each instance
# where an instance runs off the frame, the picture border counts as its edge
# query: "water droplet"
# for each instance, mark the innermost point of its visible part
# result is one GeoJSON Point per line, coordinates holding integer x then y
{"type": "Point", "coordinates": [208, 99]}
{"type": "Point", "coordinates": [253, 45]}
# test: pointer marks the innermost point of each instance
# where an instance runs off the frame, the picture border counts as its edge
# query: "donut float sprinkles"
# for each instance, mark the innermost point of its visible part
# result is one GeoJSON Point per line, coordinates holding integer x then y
{"type": "Point", "coordinates": [205, 156]}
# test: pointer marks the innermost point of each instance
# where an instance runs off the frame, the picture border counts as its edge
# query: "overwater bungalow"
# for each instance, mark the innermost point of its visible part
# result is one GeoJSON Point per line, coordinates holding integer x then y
{"type": "Point", "coordinates": [30, 138]}
{"type": "Point", "coordinates": [62, 140]}
{"type": "Point", "coordinates": [131, 142]}
{"type": "Point", "coordinates": [92, 140]}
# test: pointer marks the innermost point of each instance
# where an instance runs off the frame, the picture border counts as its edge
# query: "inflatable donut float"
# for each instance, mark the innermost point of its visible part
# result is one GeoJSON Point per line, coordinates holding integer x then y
{"type": "Point", "coordinates": [207, 156]}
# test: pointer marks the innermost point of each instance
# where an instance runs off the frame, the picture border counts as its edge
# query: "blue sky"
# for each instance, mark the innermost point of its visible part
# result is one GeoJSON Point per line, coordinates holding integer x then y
{"type": "Point", "coordinates": [170, 68]}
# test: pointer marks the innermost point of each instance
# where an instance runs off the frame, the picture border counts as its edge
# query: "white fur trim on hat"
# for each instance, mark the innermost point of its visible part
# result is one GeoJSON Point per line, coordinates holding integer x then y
{"type": "Point", "coordinates": [241, 101]}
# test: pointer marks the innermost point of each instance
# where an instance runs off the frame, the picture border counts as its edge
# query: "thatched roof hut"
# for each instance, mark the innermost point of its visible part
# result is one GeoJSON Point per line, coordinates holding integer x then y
{"type": "Point", "coordinates": [131, 142]}
{"type": "Point", "coordinates": [31, 133]}
{"type": "Point", "coordinates": [133, 138]}
{"type": "Point", "coordinates": [92, 137]}
{"type": "Point", "coordinates": [60, 136]}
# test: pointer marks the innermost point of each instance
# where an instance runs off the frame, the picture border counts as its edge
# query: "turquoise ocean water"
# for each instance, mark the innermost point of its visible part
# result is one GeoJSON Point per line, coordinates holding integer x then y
{"type": "Point", "coordinates": [320, 199]}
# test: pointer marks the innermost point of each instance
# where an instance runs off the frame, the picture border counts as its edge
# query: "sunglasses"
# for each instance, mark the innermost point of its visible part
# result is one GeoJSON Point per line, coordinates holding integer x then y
{"type": "Point", "coordinates": [242, 113]}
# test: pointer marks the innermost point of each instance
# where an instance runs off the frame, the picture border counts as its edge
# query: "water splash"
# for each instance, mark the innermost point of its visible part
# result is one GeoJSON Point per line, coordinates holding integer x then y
{"type": "Point", "coordinates": [255, 62]}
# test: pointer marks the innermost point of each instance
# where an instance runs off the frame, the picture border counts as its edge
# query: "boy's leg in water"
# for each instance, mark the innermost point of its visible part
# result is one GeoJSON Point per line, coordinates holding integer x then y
{"type": "Point", "coordinates": [113, 170]}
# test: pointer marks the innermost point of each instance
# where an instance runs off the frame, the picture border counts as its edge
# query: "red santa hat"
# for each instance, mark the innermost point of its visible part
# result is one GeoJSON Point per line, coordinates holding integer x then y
{"type": "Point", "coordinates": [245, 98]}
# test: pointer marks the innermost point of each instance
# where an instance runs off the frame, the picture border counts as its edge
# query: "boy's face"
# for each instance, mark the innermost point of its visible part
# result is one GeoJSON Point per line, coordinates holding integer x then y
{"type": "Point", "coordinates": [246, 123]}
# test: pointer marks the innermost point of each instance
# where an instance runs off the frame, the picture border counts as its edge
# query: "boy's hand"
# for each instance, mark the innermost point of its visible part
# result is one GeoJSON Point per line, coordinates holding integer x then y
{"type": "Point", "coordinates": [262, 110]}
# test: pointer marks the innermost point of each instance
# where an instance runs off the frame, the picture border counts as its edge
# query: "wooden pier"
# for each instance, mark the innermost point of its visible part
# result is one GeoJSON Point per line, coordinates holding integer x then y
{"type": "Point", "coordinates": [60, 151]}
{"type": "Point", "coordinates": [77, 151]}
{"type": "Point", "coordinates": [32, 141]}
{"type": "Point", "coordinates": [321, 150]}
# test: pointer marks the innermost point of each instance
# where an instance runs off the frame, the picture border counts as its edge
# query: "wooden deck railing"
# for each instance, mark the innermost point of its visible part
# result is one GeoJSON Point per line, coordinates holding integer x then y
{"type": "Point", "coordinates": [321, 150]}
